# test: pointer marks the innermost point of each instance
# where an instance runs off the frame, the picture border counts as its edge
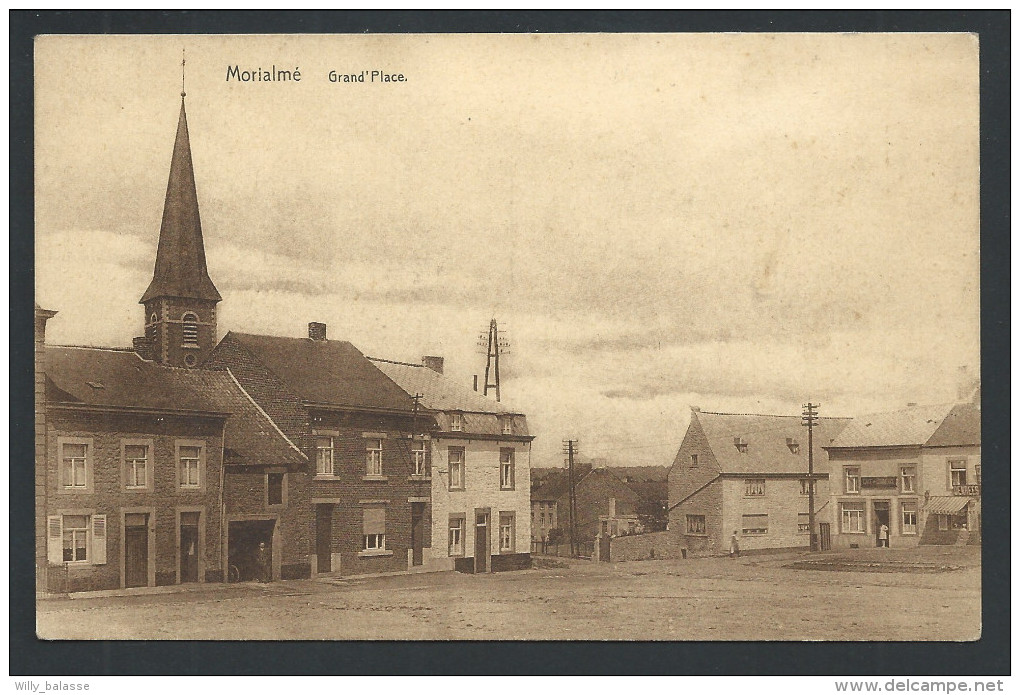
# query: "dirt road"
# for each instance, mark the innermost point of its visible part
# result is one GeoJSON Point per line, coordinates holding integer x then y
{"type": "Point", "coordinates": [930, 595]}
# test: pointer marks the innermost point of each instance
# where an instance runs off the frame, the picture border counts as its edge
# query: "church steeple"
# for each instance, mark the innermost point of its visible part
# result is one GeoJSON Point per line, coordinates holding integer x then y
{"type": "Point", "coordinates": [180, 302]}
{"type": "Point", "coordinates": [180, 258]}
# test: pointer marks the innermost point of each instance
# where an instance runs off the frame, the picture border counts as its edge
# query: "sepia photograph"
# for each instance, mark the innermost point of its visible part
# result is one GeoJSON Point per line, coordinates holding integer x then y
{"type": "Point", "coordinates": [659, 337]}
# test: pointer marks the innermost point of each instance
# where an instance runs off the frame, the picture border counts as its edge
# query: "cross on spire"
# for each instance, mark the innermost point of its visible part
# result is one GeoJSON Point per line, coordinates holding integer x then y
{"type": "Point", "coordinates": [183, 93]}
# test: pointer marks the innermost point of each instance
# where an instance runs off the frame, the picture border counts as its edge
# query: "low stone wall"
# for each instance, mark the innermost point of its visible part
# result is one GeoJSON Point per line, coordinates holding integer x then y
{"type": "Point", "coordinates": [662, 545]}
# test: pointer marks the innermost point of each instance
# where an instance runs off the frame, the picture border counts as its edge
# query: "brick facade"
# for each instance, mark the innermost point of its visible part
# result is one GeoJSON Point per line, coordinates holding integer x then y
{"type": "Point", "coordinates": [162, 499]}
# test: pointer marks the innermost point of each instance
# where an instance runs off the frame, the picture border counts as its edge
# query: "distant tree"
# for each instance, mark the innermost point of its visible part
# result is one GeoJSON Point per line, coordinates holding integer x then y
{"type": "Point", "coordinates": [652, 515]}
{"type": "Point", "coordinates": [556, 535]}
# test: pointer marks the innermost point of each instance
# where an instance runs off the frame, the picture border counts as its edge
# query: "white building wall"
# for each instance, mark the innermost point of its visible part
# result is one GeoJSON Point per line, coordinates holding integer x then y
{"type": "Point", "coordinates": [481, 490]}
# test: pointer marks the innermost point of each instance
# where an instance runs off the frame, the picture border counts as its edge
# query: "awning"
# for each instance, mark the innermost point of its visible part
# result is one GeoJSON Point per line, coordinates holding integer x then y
{"type": "Point", "coordinates": [945, 505]}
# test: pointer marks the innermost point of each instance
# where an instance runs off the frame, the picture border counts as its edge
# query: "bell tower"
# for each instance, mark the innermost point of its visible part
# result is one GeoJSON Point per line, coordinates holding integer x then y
{"type": "Point", "coordinates": [180, 303]}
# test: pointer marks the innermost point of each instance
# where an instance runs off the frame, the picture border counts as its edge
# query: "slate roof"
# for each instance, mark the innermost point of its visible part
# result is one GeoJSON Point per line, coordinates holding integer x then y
{"type": "Point", "coordinates": [648, 482]}
{"type": "Point", "coordinates": [912, 426]}
{"type": "Point", "coordinates": [328, 372]}
{"type": "Point", "coordinates": [767, 450]}
{"type": "Point", "coordinates": [118, 378]}
{"type": "Point", "coordinates": [962, 427]}
{"type": "Point", "coordinates": [180, 269]}
{"type": "Point", "coordinates": [251, 436]}
{"type": "Point", "coordinates": [554, 483]}
{"type": "Point", "coordinates": [439, 392]}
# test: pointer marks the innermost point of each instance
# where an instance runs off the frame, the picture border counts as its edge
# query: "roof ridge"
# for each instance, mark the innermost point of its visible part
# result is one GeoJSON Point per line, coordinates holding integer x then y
{"type": "Point", "coordinates": [289, 337]}
{"type": "Point", "coordinates": [265, 414]}
{"type": "Point", "coordinates": [820, 417]}
{"type": "Point", "coordinates": [405, 364]}
{"type": "Point", "coordinates": [94, 347]}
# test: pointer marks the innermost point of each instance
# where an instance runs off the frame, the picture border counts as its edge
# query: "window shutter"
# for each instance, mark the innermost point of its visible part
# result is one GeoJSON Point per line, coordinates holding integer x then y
{"type": "Point", "coordinates": [374, 520]}
{"type": "Point", "coordinates": [99, 539]}
{"type": "Point", "coordinates": [55, 539]}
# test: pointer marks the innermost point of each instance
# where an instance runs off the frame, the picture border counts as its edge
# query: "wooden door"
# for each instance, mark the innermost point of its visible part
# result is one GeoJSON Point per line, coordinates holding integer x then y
{"type": "Point", "coordinates": [825, 540]}
{"type": "Point", "coordinates": [482, 543]}
{"type": "Point", "coordinates": [136, 551]}
{"type": "Point", "coordinates": [189, 552]}
{"type": "Point", "coordinates": [323, 537]}
{"type": "Point", "coordinates": [417, 532]}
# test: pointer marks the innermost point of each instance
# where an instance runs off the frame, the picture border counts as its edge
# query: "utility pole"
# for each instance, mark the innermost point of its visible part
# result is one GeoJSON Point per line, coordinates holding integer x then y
{"type": "Point", "coordinates": [495, 345]}
{"type": "Point", "coordinates": [808, 419]}
{"type": "Point", "coordinates": [414, 429]}
{"type": "Point", "coordinates": [569, 448]}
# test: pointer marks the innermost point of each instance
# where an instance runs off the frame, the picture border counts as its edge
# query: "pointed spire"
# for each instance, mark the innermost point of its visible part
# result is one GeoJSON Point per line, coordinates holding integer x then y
{"type": "Point", "coordinates": [180, 257]}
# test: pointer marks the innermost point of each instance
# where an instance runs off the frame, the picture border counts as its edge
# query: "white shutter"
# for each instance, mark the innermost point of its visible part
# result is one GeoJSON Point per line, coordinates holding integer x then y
{"type": "Point", "coordinates": [55, 539]}
{"type": "Point", "coordinates": [99, 539]}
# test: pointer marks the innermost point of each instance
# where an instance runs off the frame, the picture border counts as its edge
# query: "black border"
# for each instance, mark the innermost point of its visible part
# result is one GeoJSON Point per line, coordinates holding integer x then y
{"type": "Point", "coordinates": [990, 655]}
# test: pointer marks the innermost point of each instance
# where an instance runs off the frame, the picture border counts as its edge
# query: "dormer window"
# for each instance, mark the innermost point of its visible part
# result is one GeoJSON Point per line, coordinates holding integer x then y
{"type": "Point", "coordinates": [741, 444]}
{"type": "Point", "coordinates": [793, 445]}
{"type": "Point", "coordinates": [508, 425]}
{"type": "Point", "coordinates": [190, 321]}
{"type": "Point", "coordinates": [456, 422]}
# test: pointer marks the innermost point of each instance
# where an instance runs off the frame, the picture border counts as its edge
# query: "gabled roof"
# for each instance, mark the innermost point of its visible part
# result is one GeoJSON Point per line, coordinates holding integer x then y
{"type": "Point", "coordinates": [180, 269]}
{"type": "Point", "coordinates": [438, 392]}
{"type": "Point", "coordinates": [766, 437]}
{"type": "Point", "coordinates": [554, 483]}
{"type": "Point", "coordinates": [251, 436]}
{"type": "Point", "coordinates": [647, 482]}
{"type": "Point", "coordinates": [116, 378]}
{"type": "Point", "coordinates": [325, 372]}
{"type": "Point", "coordinates": [912, 426]}
{"type": "Point", "coordinates": [962, 427]}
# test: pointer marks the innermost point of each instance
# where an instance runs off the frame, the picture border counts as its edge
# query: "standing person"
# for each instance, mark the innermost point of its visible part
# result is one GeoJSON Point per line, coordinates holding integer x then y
{"type": "Point", "coordinates": [262, 563]}
{"type": "Point", "coordinates": [883, 536]}
{"type": "Point", "coordinates": [734, 546]}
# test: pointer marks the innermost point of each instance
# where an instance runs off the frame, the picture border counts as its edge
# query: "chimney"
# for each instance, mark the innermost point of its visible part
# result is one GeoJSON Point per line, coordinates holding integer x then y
{"type": "Point", "coordinates": [434, 363]}
{"type": "Point", "coordinates": [317, 331]}
{"type": "Point", "coordinates": [696, 408]}
{"type": "Point", "coordinates": [144, 347]}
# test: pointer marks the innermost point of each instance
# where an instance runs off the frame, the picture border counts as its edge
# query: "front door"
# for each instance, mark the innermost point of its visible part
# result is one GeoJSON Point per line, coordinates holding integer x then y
{"type": "Point", "coordinates": [882, 520]}
{"type": "Point", "coordinates": [323, 537]}
{"type": "Point", "coordinates": [189, 547]}
{"type": "Point", "coordinates": [481, 542]}
{"type": "Point", "coordinates": [417, 532]}
{"type": "Point", "coordinates": [136, 550]}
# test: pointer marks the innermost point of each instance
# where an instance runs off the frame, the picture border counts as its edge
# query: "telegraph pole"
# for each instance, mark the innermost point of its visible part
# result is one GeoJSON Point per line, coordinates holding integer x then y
{"type": "Point", "coordinates": [808, 419]}
{"type": "Point", "coordinates": [569, 448]}
{"type": "Point", "coordinates": [495, 344]}
{"type": "Point", "coordinates": [414, 427]}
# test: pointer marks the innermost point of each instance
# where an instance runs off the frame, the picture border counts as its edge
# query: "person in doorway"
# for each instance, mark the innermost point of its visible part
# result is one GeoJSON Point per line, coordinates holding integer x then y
{"type": "Point", "coordinates": [262, 563]}
{"type": "Point", "coordinates": [734, 546]}
{"type": "Point", "coordinates": [883, 536]}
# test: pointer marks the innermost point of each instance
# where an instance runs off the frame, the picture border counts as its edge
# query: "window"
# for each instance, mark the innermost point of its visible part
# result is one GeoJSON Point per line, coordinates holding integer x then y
{"type": "Point", "coordinates": [456, 536]}
{"type": "Point", "coordinates": [908, 478]}
{"type": "Point", "coordinates": [852, 516]}
{"type": "Point", "coordinates": [190, 458]}
{"type": "Point", "coordinates": [741, 444]}
{"type": "Point", "coordinates": [274, 488]}
{"type": "Point", "coordinates": [755, 524]}
{"type": "Point", "coordinates": [506, 532]}
{"type": "Point", "coordinates": [418, 458]}
{"type": "Point", "coordinates": [74, 456]}
{"type": "Point", "coordinates": [190, 332]}
{"type": "Point", "coordinates": [808, 486]}
{"type": "Point", "coordinates": [977, 474]}
{"type": "Point", "coordinates": [508, 425]}
{"type": "Point", "coordinates": [852, 478]}
{"type": "Point", "coordinates": [456, 460]}
{"type": "Point", "coordinates": [373, 457]}
{"type": "Point", "coordinates": [958, 472]}
{"type": "Point", "coordinates": [506, 469]}
{"type": "Point", "coordinates": [136, 465]}
{"type": "Point", "coordinates": [943, 522]}
{"type": "Point", "coordinates": [456, 422]}
{"type": "Point", "coordinates": [696, 524]}
{"type": "Point", "coordinates": [694, 460]}
{"type": "Point", "coordinates": [908, 511]}
{"type": "Point", "coordinates": [959, 521]}
{"type": "Point", "coordinates": [754, 487]}
{"type": "Point", "coordinates": [803, 523]}
{"type": "Point", "coordinates": [324, 456]}
{"type": "Point", "coordinates": [374, 529]}
{"type": "Point", "coordinates": [76, 536]}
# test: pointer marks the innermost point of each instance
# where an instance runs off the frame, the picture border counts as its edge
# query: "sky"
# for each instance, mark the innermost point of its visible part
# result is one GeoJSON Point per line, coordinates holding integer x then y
{"type": "Point", "coordinates": [737, 222]}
